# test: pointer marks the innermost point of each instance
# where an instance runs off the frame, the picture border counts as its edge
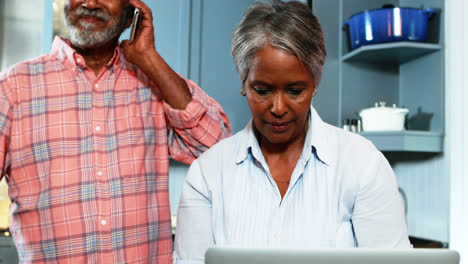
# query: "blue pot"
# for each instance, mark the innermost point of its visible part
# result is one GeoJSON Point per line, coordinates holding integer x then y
{"type": "Point", "coordinates": [388, 25]}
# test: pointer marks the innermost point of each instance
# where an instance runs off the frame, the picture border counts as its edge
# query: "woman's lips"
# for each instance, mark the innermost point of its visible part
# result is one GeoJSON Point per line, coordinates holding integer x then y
{"type": "Point", "coordinates": [279, 127]}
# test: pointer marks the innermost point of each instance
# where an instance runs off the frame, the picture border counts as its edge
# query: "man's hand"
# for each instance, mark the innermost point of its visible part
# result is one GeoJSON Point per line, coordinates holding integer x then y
{"type": "Point", "coordinates": [137, 51]}
{"type": "Point", "coordinates": [142, 52]}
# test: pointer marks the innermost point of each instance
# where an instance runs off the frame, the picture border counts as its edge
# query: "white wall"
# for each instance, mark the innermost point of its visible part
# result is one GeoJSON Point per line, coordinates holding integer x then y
{"type": "Point", "coordinates": [457, 122]}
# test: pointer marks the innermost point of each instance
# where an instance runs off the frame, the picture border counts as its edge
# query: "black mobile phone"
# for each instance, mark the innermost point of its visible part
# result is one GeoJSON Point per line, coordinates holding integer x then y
{"type": "Point", "coordinates": [136, 17]}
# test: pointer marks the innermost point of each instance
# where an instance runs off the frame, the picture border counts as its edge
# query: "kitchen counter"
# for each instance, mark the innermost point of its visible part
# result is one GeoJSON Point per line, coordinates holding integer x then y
{"type": "Point", "coordinates": [8, 253]}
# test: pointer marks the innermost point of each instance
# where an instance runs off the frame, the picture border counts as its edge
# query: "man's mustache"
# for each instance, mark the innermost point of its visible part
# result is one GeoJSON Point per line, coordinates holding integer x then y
{"type": "Point", "coordinates": [99, 14]}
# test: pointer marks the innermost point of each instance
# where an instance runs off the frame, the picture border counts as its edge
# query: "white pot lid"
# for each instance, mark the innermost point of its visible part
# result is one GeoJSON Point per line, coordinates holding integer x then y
{"type": "Point", "coordinates": [382, 108]}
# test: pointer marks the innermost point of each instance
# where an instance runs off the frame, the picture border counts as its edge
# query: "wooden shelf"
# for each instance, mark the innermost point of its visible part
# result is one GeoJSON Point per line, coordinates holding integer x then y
{"type": "Point", "coordinates": [416, 141]}
{"type": "Point", "coordinates": [390, 53]}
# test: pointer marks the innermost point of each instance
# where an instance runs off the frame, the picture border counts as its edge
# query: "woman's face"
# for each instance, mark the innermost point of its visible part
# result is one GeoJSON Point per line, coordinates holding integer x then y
{"type": "Point", "coordinates": [279, 91]}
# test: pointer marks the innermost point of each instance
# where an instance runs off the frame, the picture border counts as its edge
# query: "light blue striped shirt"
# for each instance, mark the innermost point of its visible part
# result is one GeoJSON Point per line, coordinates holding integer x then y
{"type": "Point", "coordinates": [342, 193]}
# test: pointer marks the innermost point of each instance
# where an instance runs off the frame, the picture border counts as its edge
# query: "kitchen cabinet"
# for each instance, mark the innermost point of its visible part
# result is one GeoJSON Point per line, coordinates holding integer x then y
{"type": "Point", "coordinates": [407, 74]}
{"type": "Point", "coordinates": [211, 64]}
{"type": "Point", "coordinates": [20, 24]}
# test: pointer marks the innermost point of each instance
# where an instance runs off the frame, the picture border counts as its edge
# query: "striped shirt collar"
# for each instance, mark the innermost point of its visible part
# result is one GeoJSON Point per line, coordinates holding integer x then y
{"type": "Point", "coordinates": [317, 142]}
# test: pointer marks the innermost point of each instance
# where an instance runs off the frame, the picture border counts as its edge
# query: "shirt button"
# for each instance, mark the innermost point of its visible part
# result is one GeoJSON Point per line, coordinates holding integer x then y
{"type": "Point", "coordinates": [96, 85]}
{"type": "Point", "coordinates": [103, 222]}
{"type": "Point", "coordinates": [99, 173]}
{"type": "Point", "coordinates": [98, 128]}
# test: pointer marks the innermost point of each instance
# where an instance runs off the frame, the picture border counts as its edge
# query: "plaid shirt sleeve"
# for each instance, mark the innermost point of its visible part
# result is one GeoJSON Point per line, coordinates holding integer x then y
{"type": "Point", "coordinates": [196, 128]}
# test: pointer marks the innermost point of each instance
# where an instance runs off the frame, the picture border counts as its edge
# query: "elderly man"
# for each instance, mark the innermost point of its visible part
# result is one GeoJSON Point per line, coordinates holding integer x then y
{"type": "Point", "coordinates": [85, 137]}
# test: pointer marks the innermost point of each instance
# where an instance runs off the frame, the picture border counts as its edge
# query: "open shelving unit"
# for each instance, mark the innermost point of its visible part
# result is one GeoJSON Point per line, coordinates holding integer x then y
{"type": "Point", "coordinates": [397, 54]}
{"type": "Point", "coordinates": [408, 74]}
{"type": "Point", "coordinates": [390, 53]}
{"type": "Point", "coordinates": [416, 141]}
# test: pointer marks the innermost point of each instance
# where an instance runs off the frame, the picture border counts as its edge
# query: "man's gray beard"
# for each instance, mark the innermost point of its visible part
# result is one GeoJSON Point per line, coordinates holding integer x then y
{"type": "Point", "coordinates": [87, 37]}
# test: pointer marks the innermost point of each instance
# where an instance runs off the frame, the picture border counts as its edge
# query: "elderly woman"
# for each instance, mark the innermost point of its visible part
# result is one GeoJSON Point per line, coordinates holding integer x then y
{"type": "Point", "coordinates": [288, 179]}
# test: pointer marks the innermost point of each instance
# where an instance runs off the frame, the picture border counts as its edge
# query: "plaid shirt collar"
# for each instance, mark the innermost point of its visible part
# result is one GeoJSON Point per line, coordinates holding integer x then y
{"type": "Point", "coordinates": [72, 60]}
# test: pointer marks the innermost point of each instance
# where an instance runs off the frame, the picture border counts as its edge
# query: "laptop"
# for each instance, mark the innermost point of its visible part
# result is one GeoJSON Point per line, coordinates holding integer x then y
{"type": "Point", "coordinates": [230, 255]}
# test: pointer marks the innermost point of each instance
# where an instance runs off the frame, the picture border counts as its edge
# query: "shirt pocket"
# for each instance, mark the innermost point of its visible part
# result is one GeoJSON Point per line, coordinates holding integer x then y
{"type": "Point", "coordinates": [140, 145]}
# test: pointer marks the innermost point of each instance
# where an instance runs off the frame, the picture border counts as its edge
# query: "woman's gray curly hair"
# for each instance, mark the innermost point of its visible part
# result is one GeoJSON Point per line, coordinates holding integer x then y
{"type": "Point", "coordinates": [288, 26]}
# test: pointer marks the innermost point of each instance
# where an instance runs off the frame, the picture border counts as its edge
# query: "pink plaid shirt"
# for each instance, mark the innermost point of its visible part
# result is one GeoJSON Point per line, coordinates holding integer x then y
{"type": "Point", "coordinates": [86, 158]}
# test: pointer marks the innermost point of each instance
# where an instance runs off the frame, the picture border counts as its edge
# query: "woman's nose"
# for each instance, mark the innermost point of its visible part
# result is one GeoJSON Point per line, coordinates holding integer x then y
{"type": "Point", "coordinates": [279, 107]}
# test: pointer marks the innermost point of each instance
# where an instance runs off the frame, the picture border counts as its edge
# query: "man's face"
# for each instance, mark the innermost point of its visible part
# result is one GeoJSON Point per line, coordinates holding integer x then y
{"type": "Point", "coordinates": [94, 23]}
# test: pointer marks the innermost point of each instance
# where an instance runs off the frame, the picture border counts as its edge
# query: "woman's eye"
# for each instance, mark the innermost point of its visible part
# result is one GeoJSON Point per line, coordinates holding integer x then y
{"type": "Point", "coordinates": [261, 91]}
{"type": "Point", "coordinates": [295, 91]}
